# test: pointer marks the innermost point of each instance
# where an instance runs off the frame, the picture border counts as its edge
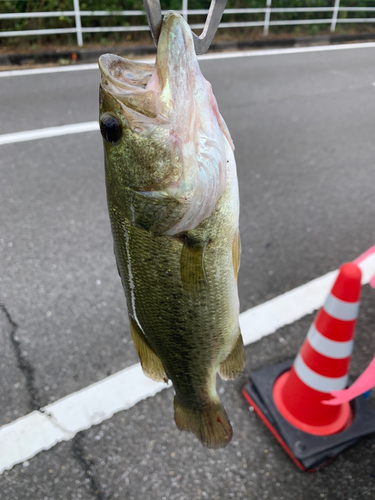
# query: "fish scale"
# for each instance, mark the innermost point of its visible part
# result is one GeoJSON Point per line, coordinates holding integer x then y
{"type": "Point", "coordinates": [158, 301]}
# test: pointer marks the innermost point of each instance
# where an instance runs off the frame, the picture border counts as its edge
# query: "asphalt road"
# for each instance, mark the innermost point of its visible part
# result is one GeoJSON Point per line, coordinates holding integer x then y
{"type": "Point", "coordinates": [303, 127]}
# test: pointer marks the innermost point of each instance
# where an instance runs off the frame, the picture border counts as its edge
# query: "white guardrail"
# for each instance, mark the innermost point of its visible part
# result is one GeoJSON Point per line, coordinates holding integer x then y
{"type": "Point", "coordinates": [266, 23]}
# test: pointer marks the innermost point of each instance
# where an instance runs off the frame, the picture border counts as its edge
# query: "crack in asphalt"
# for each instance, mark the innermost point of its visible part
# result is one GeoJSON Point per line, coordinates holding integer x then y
{"type": "Point", "coordinates": [35, 405]}
{"type": "Point", "coordinates": [87, 463]}
{"type": "Point", "coordinates": [26, 368]}
{"type": "Point", "coordinates": [56, 423]}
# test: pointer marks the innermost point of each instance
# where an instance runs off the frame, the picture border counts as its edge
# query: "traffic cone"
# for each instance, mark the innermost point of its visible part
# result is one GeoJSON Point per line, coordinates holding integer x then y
{"type": "Point", "coordinates": [322, 364]}
{"type": "Point", "coordinates": [288, 397]}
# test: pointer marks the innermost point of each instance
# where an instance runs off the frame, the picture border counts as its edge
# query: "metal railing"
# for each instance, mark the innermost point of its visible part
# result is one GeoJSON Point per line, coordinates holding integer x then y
{"type": "Point", "coordinates": [77, 14]}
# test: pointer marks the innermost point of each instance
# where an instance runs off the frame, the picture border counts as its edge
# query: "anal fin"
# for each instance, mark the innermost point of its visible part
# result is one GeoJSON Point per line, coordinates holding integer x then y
{"type": "Point", "coordinates": [209, 423]}
{"type": "Point", "coordinates": [231, 368]}
{"type": "Point", "coordinates": [193, 272]}
{"type": "Point", "coordinates": [152, 365]}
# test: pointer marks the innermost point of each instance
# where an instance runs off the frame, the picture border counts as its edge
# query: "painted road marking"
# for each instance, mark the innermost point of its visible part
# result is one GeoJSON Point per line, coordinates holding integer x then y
{"type": "Point", "coordinates": [205, 57]}
{"type": "Point", "coordinates": [61, 420]}
{"type": "Point", "coordinates": [42, 133]}
{"type": "Point", "coordinates": [292, 50]}
{"type": "Point", "coordinates": [46, 71]}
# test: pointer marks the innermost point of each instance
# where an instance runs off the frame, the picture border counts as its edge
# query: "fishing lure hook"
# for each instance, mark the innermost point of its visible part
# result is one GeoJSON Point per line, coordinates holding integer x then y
{"type": "Point", "coordinates": [202, 42]}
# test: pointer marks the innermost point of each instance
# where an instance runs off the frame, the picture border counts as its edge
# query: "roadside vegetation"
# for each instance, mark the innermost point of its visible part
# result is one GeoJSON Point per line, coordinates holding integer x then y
{"type": "Point", "coordinates": [12, 6]}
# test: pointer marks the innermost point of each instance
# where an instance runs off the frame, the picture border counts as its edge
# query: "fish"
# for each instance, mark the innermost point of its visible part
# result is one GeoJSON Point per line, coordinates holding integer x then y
{"type": "Point", "coordinates": [173, 202]}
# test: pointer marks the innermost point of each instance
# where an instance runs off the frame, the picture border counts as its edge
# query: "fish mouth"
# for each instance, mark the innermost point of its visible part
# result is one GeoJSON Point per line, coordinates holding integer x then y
{"type": "Point", "coordinates": [126, 82]}
{"type": "Point", "coordinates": [153, 90]}
{"type": "Point", "coordinates": [124, 73]}
{"type": "Point", "coordinates": [175, 50]}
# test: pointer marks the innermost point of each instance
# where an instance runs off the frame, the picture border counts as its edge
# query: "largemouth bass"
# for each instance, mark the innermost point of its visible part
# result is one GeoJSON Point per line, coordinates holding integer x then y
{"type": "Point", "coordinates": [173, 202]}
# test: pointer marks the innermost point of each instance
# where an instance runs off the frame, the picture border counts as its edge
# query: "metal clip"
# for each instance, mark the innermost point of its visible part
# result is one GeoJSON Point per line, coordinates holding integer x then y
{"type": "Point", "coordinates": [202, 42]}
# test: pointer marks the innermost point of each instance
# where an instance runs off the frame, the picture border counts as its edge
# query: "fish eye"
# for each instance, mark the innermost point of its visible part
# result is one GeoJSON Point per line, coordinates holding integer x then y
{"type": "Point", "coordinates": [110, 128]}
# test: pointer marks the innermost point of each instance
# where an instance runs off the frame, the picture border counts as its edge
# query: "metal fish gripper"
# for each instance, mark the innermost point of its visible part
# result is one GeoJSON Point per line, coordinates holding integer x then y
{"type": "Point", "coordinates": [202, 42]}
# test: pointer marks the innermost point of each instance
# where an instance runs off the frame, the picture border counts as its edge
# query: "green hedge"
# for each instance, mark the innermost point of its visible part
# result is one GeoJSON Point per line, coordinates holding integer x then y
{"type": "Point", "coordinates": [113, 5]}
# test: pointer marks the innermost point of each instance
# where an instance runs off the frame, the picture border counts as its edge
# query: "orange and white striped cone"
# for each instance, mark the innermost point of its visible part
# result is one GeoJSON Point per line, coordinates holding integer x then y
{"type": "Point", "coordinates": [290, 397]}
{"type": "Point", "coordinates": [322, 364]}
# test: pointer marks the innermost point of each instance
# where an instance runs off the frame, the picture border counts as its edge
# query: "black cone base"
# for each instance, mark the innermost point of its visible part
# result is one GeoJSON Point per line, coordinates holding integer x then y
{"type": "Point", "coordinates": [307, 451]}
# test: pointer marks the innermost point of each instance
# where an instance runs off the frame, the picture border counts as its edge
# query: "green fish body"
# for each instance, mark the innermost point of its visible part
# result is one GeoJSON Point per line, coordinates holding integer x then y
{"type": "Point", "coordinates": [173, 202]}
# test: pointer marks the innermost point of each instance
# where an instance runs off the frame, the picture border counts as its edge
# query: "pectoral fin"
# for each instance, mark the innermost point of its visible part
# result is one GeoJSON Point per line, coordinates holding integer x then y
{"type": "Point", "coordinates": [152, 365]}
{"type": "Point", "coordinates": [231, 368]}
{"type": "Point", "coordinates": [193, 272]}
{"type": "Point", "coordinates": [236, 252]}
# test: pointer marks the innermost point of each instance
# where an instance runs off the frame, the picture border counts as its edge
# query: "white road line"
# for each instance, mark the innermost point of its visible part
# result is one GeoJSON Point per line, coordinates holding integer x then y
{"type": "Point", "coordinates": [293, 50]}
{"type": "Point", "coordinates": [57, 69]}
{"type": "Point", "coordinates": [45, 71]}
{"type": "Point", "coordinates": [42, 133]}
{"type": "Point", "coordinates": [60, 421]}
{"type": "Point", "coordinates": [205, 57]}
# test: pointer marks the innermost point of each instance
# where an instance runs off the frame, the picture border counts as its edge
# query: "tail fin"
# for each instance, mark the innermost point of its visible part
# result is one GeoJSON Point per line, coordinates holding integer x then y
{"type": "Point", "coordinates": [210, 423]}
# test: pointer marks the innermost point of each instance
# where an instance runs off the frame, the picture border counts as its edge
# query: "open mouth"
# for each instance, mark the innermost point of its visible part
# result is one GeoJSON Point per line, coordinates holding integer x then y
{"type": "Point", "coordinates": [126, 81]}
{"type": "Point", "coordinates": [123, 73]}
{"type": "Point", "coordinates": [175, 49]}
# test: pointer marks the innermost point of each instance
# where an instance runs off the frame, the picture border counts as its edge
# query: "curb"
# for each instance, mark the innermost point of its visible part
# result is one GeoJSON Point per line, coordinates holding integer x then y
{"type": "Point", "coordinates": [91, 55]}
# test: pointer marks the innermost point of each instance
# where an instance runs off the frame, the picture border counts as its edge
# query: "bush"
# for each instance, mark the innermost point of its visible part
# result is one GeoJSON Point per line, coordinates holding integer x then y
{"type": "Point", "coordinates": [8, 6]}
